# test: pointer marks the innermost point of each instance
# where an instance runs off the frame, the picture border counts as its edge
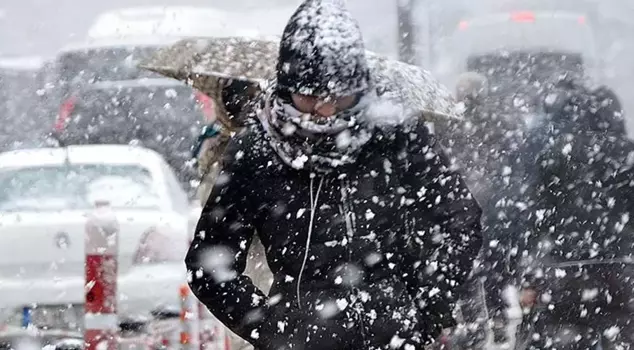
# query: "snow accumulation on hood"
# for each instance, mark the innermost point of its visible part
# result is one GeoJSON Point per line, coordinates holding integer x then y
{"type": "Point", "coordinates": [322, 52]}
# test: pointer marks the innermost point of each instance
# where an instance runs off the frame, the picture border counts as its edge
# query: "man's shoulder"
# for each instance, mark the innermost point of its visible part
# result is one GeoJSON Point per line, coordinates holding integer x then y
{"type": "Point", "coordinates": [416, 145]}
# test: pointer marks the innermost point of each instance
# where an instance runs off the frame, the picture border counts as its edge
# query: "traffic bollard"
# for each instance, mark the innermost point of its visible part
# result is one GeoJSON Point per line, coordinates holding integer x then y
{"type": "Point", "coordinates": [188, 319]}
{"type": "Point", "coordinates": [100, 310]}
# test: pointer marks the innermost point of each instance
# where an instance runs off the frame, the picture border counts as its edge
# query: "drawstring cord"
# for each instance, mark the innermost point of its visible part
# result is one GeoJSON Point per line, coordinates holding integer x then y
{"type": "Point", "coordinates": [313, 208]}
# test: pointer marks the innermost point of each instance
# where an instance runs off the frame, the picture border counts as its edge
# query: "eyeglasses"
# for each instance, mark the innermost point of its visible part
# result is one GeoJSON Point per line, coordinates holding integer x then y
{"type": "Point", "coordinates": [323, 106]}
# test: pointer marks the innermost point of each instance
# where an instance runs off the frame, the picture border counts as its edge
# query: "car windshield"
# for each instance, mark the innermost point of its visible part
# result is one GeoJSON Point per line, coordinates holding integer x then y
{"type": "Point", "coordinates": [164, 118]}
{"type": "Point", "coordinates": [527, 32]}
{"type": "Point", "coordinates": [76, 187]}
{"type": "Point", "coordinates": [141, 106]}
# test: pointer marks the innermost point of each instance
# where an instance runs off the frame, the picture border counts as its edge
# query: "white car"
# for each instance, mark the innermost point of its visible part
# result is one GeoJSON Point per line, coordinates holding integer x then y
{"type": "Point", "coordinates": [190, 21]}
{"type": "Point", "coordinates": [45, 195]}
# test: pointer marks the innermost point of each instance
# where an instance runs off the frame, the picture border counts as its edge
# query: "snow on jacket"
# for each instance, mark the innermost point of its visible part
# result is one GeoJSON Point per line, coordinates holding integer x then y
{"type": "Point", "coordinates": [368, 255]}
{"type": "Point", "coordinates": [572, 206]}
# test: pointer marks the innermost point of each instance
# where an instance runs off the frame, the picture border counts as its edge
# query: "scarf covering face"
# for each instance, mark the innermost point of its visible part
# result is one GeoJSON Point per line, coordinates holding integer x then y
{"type": "Point", "coordinates": [303, 142]}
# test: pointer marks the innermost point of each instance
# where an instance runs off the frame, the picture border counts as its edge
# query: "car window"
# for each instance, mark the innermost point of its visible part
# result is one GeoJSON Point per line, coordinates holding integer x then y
{"type": "Point", "coordinates": [76, 187]}
{"type": "Point", "coordinates": [166, 119]}
{"type": "Point", "coordinates": [138, 104]}
{"type": "Point", "coordinates": [76, 68]}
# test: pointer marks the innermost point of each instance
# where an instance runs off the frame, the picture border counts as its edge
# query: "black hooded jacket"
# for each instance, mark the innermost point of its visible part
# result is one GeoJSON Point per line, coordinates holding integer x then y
{"type": "Point", "coordinates": [370, 252]}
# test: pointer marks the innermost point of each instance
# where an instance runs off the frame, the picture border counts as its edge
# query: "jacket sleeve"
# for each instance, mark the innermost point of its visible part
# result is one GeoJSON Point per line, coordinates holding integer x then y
{"type": "Point", "coordinates": [444, 236]}
{"type": "Point", "coordinates": [217, 257]}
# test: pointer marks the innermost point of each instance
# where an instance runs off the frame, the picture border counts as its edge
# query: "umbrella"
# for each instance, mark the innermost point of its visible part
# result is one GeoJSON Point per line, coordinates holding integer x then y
{"type": "Point", "coordinates": [205, 62]}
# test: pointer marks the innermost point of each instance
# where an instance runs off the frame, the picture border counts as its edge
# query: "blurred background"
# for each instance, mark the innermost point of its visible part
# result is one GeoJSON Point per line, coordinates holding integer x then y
{"type": "Point", "coordinates": [68, 67]}
{"type": "Point", "coordinates": [441, 34]}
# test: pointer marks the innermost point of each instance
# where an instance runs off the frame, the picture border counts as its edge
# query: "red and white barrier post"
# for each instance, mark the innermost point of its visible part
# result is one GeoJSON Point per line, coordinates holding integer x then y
{"type": "Point", "coordinates": [189, 320]}
{"type": "Point", "coordinates": [186, 335]}
{"type": "Point", "coordinates": [204, 335]}
{"type": "Point", "coordinates": [101, 243]}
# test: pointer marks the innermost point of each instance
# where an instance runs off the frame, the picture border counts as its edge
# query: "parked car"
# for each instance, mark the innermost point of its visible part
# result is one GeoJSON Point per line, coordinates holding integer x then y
{"type": "Point", "coordinates": [119, 39]}
{"type": "Point", "coordinates": [101, 96]}
{"type": "Point", "coordinates": [45, 195]}
{"type": "Point", "coordinates": [108, 59]}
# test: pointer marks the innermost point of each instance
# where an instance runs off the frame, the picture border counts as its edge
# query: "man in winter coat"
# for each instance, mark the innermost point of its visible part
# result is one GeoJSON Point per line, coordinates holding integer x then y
{"type": "Point", "coordinates": [367, 230]}
{"type": "Point", "coordinates": [577, 242]}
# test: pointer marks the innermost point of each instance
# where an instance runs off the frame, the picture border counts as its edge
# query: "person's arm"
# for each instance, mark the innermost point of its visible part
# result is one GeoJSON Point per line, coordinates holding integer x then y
{"type": "Point", "coordinates": [217, 257]}
{"type": "Point", "coordinates": [445, 234]}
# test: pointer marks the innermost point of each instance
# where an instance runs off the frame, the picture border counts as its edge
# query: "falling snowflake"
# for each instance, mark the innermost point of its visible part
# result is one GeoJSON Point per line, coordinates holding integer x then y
{"type": "Point", "coordinates": [342, 304]}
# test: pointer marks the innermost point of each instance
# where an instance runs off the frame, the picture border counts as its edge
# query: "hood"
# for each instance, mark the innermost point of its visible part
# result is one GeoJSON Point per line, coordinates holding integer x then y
{"type": "Point", "coordinates": [322, 52]}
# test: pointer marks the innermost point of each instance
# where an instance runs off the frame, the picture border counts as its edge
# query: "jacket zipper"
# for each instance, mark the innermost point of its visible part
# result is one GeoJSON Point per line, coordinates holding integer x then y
{"type": "Point", "coordinates": [314, 200]}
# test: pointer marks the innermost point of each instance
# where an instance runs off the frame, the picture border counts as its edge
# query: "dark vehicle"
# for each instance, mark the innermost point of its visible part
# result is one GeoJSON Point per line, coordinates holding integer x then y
{"type": "Point", "coordinates": [99, 95]}
{"type": "Point", "coordinates": [602, 28]}
{"type": "Point", "coordinates": [161, 114]}
{"type": "Point", "coordinates": [517, 34]}
{"type": "Point", "coordinates": [100, 60]}
{"type": "Point", "coordinates": [528, 66]}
